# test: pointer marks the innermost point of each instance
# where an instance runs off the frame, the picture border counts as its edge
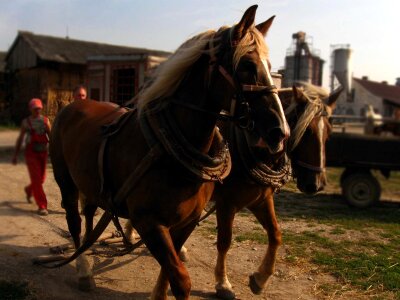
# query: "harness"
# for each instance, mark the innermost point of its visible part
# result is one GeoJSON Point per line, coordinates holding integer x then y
{"type": "Point", "coordinates": [255, 166]}
{"type": "Point", "coordinates": [164, 137]}
{"type": "Point", "coordinates": [242, 120]}
{"type": "Point", "coordinates": [318, 109]}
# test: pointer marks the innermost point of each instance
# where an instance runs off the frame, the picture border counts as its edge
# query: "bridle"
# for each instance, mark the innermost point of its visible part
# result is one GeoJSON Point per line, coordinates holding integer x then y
{"type": "Point", "coordinates": [319, 111]}
{"type": "Point", "coordinates": [244, 119]}
{"type": "Point", "coordinates": [309, 166]}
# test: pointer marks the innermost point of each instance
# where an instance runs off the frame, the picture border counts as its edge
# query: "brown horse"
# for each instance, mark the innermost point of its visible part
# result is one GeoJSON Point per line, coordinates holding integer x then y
{"type": "Point", "coordinates": [158, 170]}
{"type": "Point", "coordinates": [308, 120]}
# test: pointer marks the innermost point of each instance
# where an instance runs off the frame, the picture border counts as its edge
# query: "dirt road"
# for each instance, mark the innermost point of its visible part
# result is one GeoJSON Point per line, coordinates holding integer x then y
{"type": "Point", "coordinates": [25, 235]}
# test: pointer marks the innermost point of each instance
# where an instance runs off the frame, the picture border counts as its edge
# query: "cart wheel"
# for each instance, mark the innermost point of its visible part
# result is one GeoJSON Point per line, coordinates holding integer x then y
{"type": "Point", "coordinates": [361, 189]}
{"type": "Point", "coordinates": [346, 174]}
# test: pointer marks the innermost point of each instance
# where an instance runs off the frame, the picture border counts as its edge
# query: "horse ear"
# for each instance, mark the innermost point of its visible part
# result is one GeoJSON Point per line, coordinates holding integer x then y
{"type": "Point", "coordinates": [298, 95]}
{"type": "Point", "coordinates": [264, 27]}
{"type": "Point", "coordinates": [331, 100]}
{"type": "Point", "coordinates": [245, 23]}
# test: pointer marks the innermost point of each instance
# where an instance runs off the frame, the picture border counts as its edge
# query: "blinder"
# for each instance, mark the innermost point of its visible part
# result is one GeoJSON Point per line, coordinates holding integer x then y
{"type": "Point", "coordinates": [241, 116]}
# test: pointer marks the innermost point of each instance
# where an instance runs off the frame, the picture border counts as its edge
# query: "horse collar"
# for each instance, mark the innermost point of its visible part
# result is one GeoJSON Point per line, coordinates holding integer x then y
{"type": "Point", "coordinates": [257, 170]}
{"type": "Point", "coordinates": [161, 129]}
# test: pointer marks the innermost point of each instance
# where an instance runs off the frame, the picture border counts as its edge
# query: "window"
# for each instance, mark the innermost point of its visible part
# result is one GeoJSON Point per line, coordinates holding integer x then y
{"type": "Point", "coordinates": [123, 85]}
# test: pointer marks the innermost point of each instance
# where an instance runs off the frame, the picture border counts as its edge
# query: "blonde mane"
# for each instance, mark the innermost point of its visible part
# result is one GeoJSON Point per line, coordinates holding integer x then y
{"type": "Point", "coordinates": [170, 73]}
{"type": "Point", "coordinates": [314, 96]}
{"type": "Point", "coordinates": [252, 41]}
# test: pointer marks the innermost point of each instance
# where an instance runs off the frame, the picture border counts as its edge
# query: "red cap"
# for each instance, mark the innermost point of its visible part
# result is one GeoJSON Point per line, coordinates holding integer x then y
{"type": "Point", "coordinates": [35, 103]}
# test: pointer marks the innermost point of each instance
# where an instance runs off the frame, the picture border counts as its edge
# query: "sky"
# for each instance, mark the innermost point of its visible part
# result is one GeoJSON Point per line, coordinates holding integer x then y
{"type": "Point", "coordinates": [371, 27]}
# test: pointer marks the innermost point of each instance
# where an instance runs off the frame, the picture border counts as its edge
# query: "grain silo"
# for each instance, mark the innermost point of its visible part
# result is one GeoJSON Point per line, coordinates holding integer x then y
{"type": "Point", "coordinates": [341, 66]}
{"type": "Point", "coordinates": [302, 62]}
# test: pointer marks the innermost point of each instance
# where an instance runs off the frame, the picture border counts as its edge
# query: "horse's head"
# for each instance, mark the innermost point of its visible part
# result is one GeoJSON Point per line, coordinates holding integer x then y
{"type": "Point", "coordinates": [308, 116]}
{"type": "Point", "coordinates": [241, 76]}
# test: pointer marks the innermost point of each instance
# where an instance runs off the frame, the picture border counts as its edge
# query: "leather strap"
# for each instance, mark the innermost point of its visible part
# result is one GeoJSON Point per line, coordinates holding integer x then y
{"type": "Point", "coordinates": [109, 130]}
{"type": "Point", "coordinates": [127, 187]}
{"type": "Point", "coordinates": [309, 166]}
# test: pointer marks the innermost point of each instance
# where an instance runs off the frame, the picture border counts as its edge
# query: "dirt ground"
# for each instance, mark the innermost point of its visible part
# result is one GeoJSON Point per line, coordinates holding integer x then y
{"type": "Point", "coordinates": [25, 235]}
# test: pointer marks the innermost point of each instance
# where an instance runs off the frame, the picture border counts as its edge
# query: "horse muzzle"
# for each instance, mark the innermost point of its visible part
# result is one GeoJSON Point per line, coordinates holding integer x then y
{"type": "Point", "coordinates": [274, 140]}
{"type": "Point", "coordinates": [310, 186]}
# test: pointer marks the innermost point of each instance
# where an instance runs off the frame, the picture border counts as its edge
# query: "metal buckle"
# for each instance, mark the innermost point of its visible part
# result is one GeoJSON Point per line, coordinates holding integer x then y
{"type": "Point", "coordinates": [245, 121]}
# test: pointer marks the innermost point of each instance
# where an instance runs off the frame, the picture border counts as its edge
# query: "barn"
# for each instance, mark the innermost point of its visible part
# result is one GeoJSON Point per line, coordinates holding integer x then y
{"type": "Point", "coordinates": [384, 97]}
{"type": "Point", "coordinates": [118, 77]}
{"type": "Point", "coordinates": [50, 67]}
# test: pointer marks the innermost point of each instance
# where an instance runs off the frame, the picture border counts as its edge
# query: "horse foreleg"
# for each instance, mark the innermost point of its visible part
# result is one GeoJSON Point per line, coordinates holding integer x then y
{"type": "Point", "coordinates": [129, 232]}
{"type": "Point", "coordinates": [265, 213]}
{"type": "Point", "coordinates": [70, 201]}
{"type": "Point", "coordinates": [183, 255]}
{"type": "Point", "coordinates": [158, 240]}
{"type": "Point", "coordinates": [225, 217]}
{"type": "Point", "coordinates": [161, 288]}
{"type": "Point", "coordinates": [89, 212]}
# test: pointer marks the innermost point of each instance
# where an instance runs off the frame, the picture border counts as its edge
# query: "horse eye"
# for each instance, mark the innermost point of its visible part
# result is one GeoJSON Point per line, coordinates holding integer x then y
{"type": "Point", "coordinates": [249, 66]}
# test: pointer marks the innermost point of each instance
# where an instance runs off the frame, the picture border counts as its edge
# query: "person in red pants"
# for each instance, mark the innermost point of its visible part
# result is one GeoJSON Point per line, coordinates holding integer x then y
{"type": "Point", "coordinates": [36, 128]}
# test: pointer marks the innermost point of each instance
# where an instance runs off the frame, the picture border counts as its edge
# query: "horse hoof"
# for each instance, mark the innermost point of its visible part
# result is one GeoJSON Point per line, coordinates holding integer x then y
{"type": "Point", "coordinates": [86, 284]}
{"type": "Point", "coordinates": [255, 288]}
{"type": "Point", "coordinates": [226, 294]}
{"type": "Point", "coordinates": [184, 257]}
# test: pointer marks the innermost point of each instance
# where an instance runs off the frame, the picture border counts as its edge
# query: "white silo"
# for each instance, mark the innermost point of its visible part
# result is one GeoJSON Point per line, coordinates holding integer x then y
{"type": "Point", "coordinates": [342, 67]}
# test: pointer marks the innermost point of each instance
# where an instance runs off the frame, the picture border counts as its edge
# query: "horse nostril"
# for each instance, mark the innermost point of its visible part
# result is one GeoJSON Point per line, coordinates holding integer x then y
{"type": "Point", "coordinates": [276, 134]}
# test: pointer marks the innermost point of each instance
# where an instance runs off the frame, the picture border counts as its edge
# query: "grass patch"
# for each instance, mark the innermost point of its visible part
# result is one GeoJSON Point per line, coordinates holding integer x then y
{"type": "Point", "coordinates": [371, 264]}
{"type": "Point", "coordinates": [331, 210]}
{"type": "Point", "coordinates": [367, 265]}
{"type": "Point", "coordinates": [208, 230]}
{"type": "Point", "coordinates": [338, 231]}
{"type": "Point", "coordinates": [255, 236]}
{"type": "Point", "coordinates": [12, 290]}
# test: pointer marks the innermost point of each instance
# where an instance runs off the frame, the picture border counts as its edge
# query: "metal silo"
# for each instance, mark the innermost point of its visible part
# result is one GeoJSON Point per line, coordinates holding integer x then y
{"type": "Point", "coordinates": [302, 61]}
{"type": "Point", "coordinates": [342, 67]}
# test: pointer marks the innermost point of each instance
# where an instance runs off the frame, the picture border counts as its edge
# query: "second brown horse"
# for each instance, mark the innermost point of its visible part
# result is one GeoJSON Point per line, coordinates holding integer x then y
{"type": "Point", "coordinates": [307, 115]}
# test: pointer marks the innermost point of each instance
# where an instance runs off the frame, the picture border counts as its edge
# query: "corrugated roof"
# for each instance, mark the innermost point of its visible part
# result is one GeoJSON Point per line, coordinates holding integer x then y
{"type": "Point", "coordinates": [65, 50]}
{"type": "Point", "coordinates": [382, 90]}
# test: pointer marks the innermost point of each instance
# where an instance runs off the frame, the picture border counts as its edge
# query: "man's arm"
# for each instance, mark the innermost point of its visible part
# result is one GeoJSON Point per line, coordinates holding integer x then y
{"type": "Point", "coordinates": [48, 128]}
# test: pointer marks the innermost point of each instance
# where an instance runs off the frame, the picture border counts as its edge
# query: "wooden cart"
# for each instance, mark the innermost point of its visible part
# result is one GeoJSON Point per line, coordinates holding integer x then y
{"type": "Point", "coordinates": [359, 154]}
